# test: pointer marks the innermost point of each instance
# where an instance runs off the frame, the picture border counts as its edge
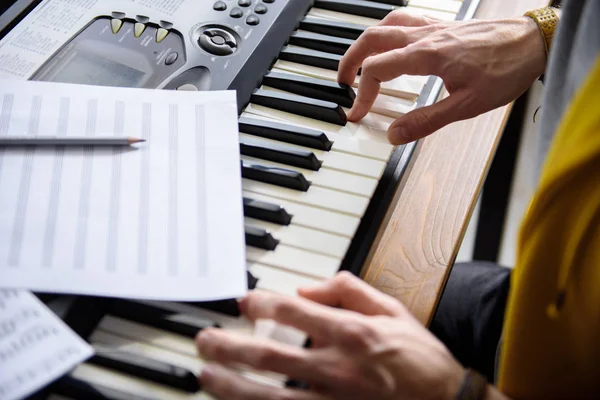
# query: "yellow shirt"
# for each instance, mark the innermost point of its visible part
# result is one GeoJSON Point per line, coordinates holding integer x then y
{"type": "Point", "coordinates": [551, 345]}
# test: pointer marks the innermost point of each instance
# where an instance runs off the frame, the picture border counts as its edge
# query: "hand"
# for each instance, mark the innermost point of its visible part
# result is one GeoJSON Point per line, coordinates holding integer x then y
{"type": "Point", "coordinates": [484, 65]}
{"type": "Point", "coordinates": [372, 348]}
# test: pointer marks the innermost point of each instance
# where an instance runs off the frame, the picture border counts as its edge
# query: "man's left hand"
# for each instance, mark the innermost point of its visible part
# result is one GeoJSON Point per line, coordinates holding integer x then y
{"type": "Point", "coordinates": [369, 348]}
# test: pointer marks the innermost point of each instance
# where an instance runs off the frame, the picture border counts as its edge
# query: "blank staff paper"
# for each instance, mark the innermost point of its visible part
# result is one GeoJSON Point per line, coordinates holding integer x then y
{"type": "Point", "coordinates": [158, 220]}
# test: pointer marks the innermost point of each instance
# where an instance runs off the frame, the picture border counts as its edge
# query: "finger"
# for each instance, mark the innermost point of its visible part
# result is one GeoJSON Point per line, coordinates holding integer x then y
{"type": "Point", "coordinates": [230, 349]}
{"type": "Point", "coordinates": [374, 40]}
{"type": "Point", "coordinates": [426, 120]}
{"type": "Point", "coordinates": [318, 321]}
{"type": "Point", "coordinates": [401, 18]}
{"type": "Point", "coordinates": [411, 60]}
{"type": "Point", "coordinates": [351, 293]}
{"type": "Point", "coordinates": [226, 384]}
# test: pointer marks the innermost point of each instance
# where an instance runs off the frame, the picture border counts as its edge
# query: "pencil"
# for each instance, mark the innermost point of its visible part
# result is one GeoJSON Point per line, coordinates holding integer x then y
{"type": "Point", "coordinates": [67, 141]}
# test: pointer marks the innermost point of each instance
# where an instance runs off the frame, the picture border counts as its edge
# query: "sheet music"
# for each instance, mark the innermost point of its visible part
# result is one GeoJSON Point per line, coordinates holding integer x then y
{"type": "Point", "coordinates": [36, 347]}
{"type": "Point", "coordinates": [162, 220]}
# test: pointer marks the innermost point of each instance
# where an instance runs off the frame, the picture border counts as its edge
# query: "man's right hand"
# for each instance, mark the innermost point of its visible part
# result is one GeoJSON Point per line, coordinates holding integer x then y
{"type": "Point", "coordinates": [484, 65]}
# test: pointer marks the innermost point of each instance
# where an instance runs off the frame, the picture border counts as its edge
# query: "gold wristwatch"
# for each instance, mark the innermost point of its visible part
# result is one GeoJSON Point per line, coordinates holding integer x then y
{"type": "Point", "coordinates": [547, 20]}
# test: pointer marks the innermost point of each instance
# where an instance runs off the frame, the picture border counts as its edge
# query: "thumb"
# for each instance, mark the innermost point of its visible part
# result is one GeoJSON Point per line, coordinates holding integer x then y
{"type": "Point", "coordinates": [351, 293]}
{"type": "Point", "coordinates": [426, 120]}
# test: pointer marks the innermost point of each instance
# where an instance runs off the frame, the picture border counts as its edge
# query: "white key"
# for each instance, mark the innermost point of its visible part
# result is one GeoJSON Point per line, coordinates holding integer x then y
{"type": "Point", "coordinates": [410, 9]}
{"type": "Point", "coordinates": [442, 15]}
{"type": "Point", "coordinates": [258, 329]}
{"type": "Point", "coordinates": [405, 86]}
{"type": "Point", "coordinates": [129, 384]}
{"type": "Point", "coordinates": [146, 334]}
{"type": "Point", "coordinates": [328, 178]}
{"type": "Point", "coordinates": [451, 6]}
{"type": "Point", "coordinates": [355, 130]}
{"type": "Point", "coordinates": [232, 324]}
{"type": "Point", "coordinates": [344, 144]}
{"type": "Point", "coordinates": [170, 341]}
{"type": "Point", "coordinates": [343, 17]}
{"type": "Point", "coordinates": [313, 217]}
{"type": "Point", "coordinates": [279, 280]}
{"type": "Point", "coordinates": [103, 339]}
{"type": "Point", "coordinates": [393, 107]}
{"type": "Point", "coordinates": [296, 260]}
{"type": "Point", "coordinates": [304, 238]}
{"type": "Point", "coordinates": [315, 197]}
{"type": "Point", "coordinates": [375, 121]}
{"type": "Point", "coordinates": [332, 159]}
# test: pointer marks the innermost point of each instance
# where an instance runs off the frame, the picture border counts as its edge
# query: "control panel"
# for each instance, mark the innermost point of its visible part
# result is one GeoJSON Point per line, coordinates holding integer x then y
{"type": "Point", "coordinates": [216, 45]}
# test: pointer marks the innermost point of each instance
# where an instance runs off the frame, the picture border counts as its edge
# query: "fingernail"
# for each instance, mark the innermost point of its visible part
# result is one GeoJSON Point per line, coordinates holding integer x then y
{"type": "Point", "coordinates": [208, 372]}
{"type": "Point", "coordinates": [350, 114]}
{"type": "Point", "coordinates": [397, 135]}
{"type": "Point", "coordinates": [203, 337]}
{"type": "Point", "coordinates": [243, 304]}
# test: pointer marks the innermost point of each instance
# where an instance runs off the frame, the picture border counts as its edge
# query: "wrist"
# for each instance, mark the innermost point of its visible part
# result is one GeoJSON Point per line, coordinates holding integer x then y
{"type": "Point", "coordinates": [473, 387]}
{"type": "Point", "coordinates": [546, 20]}
{"type": "Point", "coordinates": [536, 48]}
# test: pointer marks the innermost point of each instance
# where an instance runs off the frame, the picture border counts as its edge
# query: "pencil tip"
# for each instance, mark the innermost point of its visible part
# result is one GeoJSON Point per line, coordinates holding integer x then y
{"type": "Point", "coordinates": [136, 140]}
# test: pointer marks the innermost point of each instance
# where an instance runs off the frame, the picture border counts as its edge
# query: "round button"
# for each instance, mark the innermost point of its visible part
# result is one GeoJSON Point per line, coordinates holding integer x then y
{"type": "Point", "coordinates": [260, 9]}
{"type": "Point", "coordinates": [268, 1]}
{"type": "Point", "coordinates": [244, 3]}
{"type": "Point", "coordinates": [218, 40]}
{"type": "Point", "coordinates": [220, 6]}
{"type": "Point", "coordinates": [171, 58]}
{"type": "Point", "coordinates": [236, 13]}
{"type": "Point", "coordinates": [252, 20]}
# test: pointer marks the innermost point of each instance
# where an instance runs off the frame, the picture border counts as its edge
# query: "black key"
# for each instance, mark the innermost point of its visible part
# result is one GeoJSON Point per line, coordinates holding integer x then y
{"type": "Point", "coordinates": [315, 88]}
{"type": "Point", "coordinates": [317, 41]}
{"type": "Point", "coordinates": [147, 368]}
{"type": "Point", "coordinates": [257, 237]}
{"type": "Point", "coordinates": [78, 389]}
{"type": "Point", "coordinates": [286, 133]}
{"type": "Point", "coordinates": [266, 212]}
{"type": "Point", "coordinates": [311, 57]}
{"type": "Point", "coordinates": [227, 307]}
{"type": "Point", "coordinates": [400, 3]}
{"type": "Point", "coordinates": [252, 281]}
{"type": "Point", "coordinates": [363, 8]}
{"type": "Point", "coordinates": [333, 28]}
{"type": "Point", "coordinates": [158, 318]}
{"type": "Point", "coordinates": [280, 153]}
{"type": "Point", "coordinates": [300, 105]}
{"type": "Point", "coordinates": [85, 314]}
{"type": "Point", "coordinates": [275, 176]}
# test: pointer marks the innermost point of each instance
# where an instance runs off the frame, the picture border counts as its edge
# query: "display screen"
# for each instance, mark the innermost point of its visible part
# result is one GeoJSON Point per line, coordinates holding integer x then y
{"type": "Point", "coordinates": [92, 69]}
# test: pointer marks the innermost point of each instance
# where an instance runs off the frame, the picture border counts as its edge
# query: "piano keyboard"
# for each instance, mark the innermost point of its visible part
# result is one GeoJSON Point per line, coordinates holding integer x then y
{"type": "Point", "coordinates": [309, 176]}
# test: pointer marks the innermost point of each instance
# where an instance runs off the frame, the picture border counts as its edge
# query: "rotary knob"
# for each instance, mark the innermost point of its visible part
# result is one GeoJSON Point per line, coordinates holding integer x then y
{"type": "Point", "coordinates": [217, 41]}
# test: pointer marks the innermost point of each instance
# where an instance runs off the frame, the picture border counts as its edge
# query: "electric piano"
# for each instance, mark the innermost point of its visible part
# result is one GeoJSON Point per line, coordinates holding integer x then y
{"type": "Point", "coordinates": [315, 186]}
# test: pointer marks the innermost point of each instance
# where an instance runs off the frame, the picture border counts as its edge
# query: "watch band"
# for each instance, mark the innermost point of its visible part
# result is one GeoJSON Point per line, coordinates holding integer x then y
{"type": "Point", "coordinates": [473, 387]}
{"type": "Point", "coordinates": [547, 21]}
